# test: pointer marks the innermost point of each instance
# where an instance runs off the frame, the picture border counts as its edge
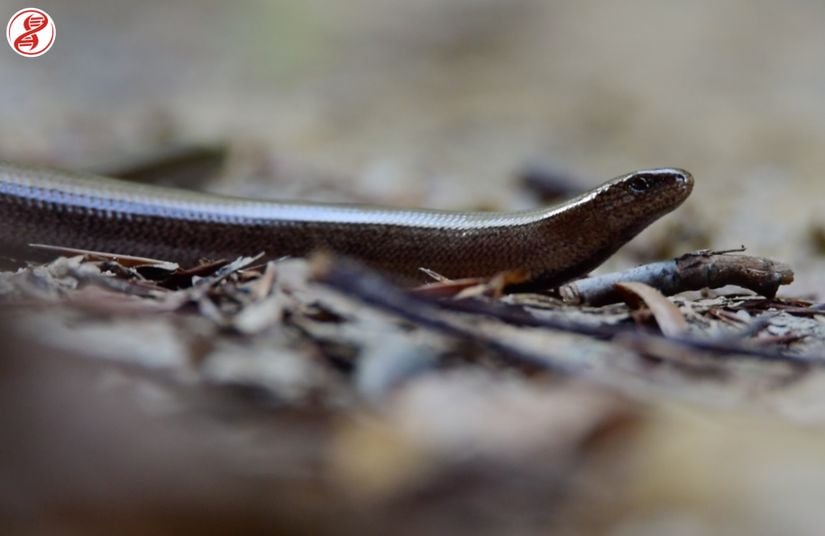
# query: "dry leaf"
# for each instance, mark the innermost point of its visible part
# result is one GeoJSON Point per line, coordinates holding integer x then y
{"type": "Point", "coordinates": [670, 319]}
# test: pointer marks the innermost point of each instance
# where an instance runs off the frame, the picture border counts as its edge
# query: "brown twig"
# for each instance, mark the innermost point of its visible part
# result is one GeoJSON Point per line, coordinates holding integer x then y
{"type": "Point", "coordinates": [692, 271]}
{"type": "Point", "coordinates": [359, 282]}
{"type": "Point", "coordinates": [356, 281]}
{"type": "Point", "coordinates": [510, 314]}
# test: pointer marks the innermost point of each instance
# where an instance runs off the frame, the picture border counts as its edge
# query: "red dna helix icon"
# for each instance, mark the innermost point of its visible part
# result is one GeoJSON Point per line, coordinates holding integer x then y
{"type": "Point", "coordinates": [30, 32]}
{"type": "Point", "coordinates": [32, 24]}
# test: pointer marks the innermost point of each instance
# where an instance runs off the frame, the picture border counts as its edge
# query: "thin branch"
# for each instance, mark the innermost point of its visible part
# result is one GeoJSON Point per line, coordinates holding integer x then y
{"type": "Point", "coordinates": [692, 271]}
{"type": "Point", "coordinates": [357, 281]}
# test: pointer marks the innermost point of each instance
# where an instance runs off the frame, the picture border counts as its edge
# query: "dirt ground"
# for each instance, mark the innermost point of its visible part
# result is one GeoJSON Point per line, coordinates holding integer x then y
{"type": "Point", "coordinates": [180, 421]}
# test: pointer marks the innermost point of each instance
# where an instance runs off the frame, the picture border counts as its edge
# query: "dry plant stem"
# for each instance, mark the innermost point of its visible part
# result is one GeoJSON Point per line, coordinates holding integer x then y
{"type": "Point", "coordinates": [373, 289]}
{"type": "Point", "coordinates": [129, 261]}
{"type": "Point", "coordinates": [692, 271]}
{"type": "Point", "coordinates": [664, 348]}
{"type": "Point", "coordinates": [358, 282]}
{"type": "Point", "coordinates": [720, 347]}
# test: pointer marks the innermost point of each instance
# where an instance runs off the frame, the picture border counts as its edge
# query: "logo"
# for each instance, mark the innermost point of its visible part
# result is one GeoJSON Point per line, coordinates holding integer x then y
{"type": "Point", "coordinates": [30, 32]}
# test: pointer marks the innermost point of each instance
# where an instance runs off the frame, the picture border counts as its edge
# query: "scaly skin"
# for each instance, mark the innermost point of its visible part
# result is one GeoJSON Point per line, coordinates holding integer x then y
{"type": "Point", "coordinates": [550, 245]}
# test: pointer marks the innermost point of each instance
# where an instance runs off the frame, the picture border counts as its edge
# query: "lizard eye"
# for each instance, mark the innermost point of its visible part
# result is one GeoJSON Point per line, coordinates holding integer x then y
{"type": "Point", "coordinates": [640, 183]}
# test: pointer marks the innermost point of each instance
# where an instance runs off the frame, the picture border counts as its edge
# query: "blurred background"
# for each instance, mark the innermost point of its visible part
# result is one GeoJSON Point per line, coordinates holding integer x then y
{"type": "Point", "coordinates": [445, 103]}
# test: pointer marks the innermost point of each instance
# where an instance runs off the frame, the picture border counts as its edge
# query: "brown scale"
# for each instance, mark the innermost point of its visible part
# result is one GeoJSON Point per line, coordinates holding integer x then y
{"type": "Point", "coordinates": [551, 245]}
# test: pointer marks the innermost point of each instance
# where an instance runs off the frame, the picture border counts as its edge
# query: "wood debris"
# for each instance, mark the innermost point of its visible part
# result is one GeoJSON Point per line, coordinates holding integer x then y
{"type": "Point", "coordinates": [383, 392]}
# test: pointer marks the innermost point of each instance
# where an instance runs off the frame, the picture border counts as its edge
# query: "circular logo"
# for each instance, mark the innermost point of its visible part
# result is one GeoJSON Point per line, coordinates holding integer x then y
{"type": "Point", "coordinates": [30, 32]}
